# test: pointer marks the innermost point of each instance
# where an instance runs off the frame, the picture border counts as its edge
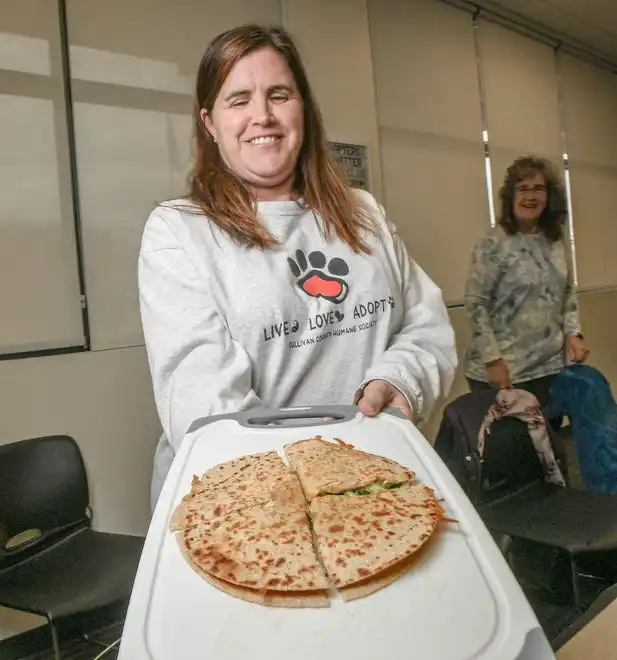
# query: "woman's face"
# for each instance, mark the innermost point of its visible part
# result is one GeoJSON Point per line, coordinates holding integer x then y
{"type": "Point", "coordinates": [530, 199]}
{"type": "Point", "coordinates": [258, 123]}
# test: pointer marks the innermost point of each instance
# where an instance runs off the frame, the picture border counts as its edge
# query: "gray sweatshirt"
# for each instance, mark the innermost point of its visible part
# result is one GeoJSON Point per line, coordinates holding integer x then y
{"type": "Point", "coordinates": [311, 322]}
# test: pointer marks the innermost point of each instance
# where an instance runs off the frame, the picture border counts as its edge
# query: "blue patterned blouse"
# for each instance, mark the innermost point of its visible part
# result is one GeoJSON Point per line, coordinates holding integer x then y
{"type": "Point", "coordinates": [521, 303]}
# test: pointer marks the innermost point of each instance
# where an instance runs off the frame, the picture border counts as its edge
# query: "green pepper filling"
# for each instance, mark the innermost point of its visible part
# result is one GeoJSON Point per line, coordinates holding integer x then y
{"type": "Point", "coordinates": [367, 490]}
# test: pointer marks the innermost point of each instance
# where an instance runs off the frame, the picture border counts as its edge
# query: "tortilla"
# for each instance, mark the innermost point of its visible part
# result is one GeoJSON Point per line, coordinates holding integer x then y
{"type": "Point", "coordinates": [359, 537]}
{"type": "Point", "coordinates": [258, 466]}
{"type": "Point", "coordinates": [390, 575]}
{"type": "Point", "coordinates": [328, 468]}
{"type": "Point", "coordinates": [312, 599]}
{"type": "Point", "coordinates": [261, 540]}
{"type": "Point", "coordinates": [228, 487]}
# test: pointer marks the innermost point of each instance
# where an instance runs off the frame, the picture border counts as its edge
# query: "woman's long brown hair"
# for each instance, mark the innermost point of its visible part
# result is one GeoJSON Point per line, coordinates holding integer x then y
{"type": "Point", "coordinates": [555, 214]}
{"type": "Point", "coordinates": [223, 197]}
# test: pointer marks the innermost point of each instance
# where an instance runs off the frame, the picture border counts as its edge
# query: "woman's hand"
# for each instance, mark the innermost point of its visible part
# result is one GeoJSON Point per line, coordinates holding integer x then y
{"type": "Point", "coordinates": [576, 351]}
{"type": "Point", "coordinates": [379, 394]}
{"type": "Point", "coordinates": [498, 374]}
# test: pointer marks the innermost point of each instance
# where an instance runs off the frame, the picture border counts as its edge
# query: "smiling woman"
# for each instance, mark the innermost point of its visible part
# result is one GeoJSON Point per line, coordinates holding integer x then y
{"type": "Point", "coordinates": [260, 137]}
{"type": "Point", "coordinates": [249, 286]}
{"type": "Point", "coordinates": [257, 121]}
{"type": "Point", "coordinates": [520, 298]}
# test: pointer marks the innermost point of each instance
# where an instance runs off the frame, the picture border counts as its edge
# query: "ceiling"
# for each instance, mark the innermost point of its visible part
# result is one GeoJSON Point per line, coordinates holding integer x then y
{"type": "Point", "coordinates": [588, 23]}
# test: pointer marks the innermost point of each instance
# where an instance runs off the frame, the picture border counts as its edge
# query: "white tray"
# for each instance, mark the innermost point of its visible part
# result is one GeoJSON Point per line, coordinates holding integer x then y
{"type": "Point", "coordinates": [461, 603]}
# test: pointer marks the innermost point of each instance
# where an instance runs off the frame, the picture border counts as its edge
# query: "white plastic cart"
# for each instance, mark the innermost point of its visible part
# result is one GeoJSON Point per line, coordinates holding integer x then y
{"type": "Point", "coordinates": [460, 603]}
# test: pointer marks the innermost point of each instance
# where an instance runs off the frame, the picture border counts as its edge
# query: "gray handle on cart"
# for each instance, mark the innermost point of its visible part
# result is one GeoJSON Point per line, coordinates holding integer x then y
{"type": "Point", "coordinates": [289, 417]}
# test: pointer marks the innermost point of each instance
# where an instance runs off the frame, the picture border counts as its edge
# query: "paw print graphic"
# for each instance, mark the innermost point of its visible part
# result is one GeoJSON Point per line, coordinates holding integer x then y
{"type": "Point", "coordinates": [319, 277]}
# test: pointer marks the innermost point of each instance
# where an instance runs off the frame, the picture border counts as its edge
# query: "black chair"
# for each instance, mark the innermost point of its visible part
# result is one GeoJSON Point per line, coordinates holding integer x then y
{"type": "Point", "coordinates": [52, 563]}
{"type": "Point", "coordinates": [577, 523]}
{"type": "Point", "coordinates": [508, 489]}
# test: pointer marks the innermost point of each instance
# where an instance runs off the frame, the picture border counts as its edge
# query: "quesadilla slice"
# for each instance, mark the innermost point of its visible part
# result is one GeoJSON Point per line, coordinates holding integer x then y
{"type": "Point", "coordinates": [256, 538]}
{"type": "Point", "coordinates": [390, 575]}
{"type": "Point", "coordinates": [228, 487]}
{"type": "Point", "coordinates": [327, 468]}
{"type": "Point", "coordinates": [360, 537]}
{"type": "Point", "coordinates": [298, 599]}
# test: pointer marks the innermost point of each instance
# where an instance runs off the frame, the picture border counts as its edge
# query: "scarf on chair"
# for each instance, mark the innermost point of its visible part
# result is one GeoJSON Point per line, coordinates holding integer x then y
{"type": "Point", "coordinates": [524, 406]}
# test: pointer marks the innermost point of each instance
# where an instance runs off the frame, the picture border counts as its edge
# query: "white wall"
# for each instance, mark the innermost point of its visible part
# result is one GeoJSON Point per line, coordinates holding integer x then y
{"type": "Point", "coordinates": [37, 244]}
{"type": "Point", "coordinates": [333, 37]}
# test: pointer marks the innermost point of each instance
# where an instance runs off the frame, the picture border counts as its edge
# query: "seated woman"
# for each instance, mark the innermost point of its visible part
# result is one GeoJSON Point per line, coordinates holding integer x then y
{"type": "Point", "coordinates": [272, 283]}
{"type": "Point", "coordinates": [519, 296]}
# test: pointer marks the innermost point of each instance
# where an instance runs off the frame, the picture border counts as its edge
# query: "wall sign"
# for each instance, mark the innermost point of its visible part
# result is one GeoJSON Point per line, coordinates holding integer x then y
{"type": "Point", "coordinates": [353, 158]}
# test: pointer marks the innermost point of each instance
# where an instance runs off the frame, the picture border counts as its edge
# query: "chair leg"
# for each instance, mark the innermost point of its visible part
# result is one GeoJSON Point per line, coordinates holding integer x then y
{"type": "Point", "coordinates": [505, 544]}
{"type": "Point", "coordinates": [54, 640]}
{"type": "Point", "coordinates": [576, 587]}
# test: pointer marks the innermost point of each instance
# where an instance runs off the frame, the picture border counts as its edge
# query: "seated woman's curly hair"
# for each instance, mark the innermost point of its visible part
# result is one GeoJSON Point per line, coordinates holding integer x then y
{"type": "Point", "coordinates": [554, 216]}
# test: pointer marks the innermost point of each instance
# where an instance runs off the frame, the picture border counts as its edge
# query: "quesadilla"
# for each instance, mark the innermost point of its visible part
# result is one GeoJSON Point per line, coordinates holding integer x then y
{"type": "Point", "coordinates": [328, 468]}
{"type": "Point", "coordinates": [358, 538]}
{"type": "Point", "coordinates": [390, 575]}
{"type": "Point", "coordinates": [244, 526]}
{"type": "Point", "coordinates": [228, 487]}
{"type": "Point", "coordinates": [250, 535]}
{"type": "Point", "coordinates": [297, 599]}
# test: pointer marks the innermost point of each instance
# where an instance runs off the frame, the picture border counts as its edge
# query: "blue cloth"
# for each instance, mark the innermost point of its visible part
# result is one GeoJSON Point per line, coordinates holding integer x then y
{"type": "Point", "coordinates": [584, 395]}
